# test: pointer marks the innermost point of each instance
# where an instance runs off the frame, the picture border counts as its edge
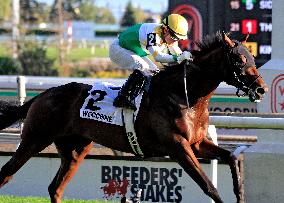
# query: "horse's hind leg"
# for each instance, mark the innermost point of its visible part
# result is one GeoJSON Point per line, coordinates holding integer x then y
{"type": "Point", "coordinates": [186, 158]}
{"type": "Point", "coordinates": [71, 156]}
{"type": "Point", "coordinates": [208, 150]}
{"type": "Point", "coordinates": [27, 148]}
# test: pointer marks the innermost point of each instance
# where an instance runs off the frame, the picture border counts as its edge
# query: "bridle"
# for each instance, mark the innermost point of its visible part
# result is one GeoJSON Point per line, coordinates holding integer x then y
{"type": "Point", "coordinates": [238, 68]}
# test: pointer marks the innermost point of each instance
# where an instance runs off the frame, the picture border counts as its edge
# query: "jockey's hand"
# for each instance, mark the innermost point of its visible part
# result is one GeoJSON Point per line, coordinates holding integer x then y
{"type": "Point", "coordinates": [186, 55]}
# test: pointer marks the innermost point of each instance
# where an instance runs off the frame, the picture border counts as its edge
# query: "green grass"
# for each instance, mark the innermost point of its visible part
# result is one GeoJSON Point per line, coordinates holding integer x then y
{"type": "Point", "coordinates": [77, 54]}
{"type": "Point", "coordinates": [5, 50]}
{"type": "Point", "coordinates": [14, 199]}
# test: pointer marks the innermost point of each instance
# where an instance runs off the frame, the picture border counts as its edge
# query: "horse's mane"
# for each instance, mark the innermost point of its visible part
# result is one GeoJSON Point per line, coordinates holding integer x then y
{"type": "Point", "coordinates": [208, 44]}
{"type": "Point", "coordinates": [205, 46]}
{"type": "Point", "coordinates": [196, 71]}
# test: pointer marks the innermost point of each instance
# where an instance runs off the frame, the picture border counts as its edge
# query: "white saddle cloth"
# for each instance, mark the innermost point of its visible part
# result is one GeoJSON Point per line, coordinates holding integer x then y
{"type": "Point", "coordinates": [99, 104]}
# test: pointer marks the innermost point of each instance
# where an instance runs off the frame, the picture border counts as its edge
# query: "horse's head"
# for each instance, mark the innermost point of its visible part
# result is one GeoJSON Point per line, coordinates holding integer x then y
{"type": "Point", "coordinates": [242, 72]}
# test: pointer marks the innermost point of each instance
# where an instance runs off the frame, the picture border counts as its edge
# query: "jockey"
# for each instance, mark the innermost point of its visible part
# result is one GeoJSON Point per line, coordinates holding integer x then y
{"type": "Point", "coordinates": [133, 45]}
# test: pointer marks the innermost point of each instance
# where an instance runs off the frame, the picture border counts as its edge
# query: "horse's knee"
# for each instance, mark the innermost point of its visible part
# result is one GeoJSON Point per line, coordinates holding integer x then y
{"type": "Point", "coordinates": [233, 157]}
{"type": "Point", "coordinates": [181, 145]}
{"type": "Point", "coordinates": [232, 160]}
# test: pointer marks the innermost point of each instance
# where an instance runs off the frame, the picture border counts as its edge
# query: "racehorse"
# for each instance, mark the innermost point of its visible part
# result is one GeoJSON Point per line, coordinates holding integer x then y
{"type": "Point", "coordinates": [172, 120]}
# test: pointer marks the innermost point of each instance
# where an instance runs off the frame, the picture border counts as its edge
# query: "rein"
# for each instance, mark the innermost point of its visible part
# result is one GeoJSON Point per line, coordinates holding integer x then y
{"type": "Point", "coordinates": [185, 86]}
{"type": "Point", "coordinates": [244, 94]}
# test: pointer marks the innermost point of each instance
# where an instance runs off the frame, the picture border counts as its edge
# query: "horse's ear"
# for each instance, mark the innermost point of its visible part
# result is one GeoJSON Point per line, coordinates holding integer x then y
{"type": "Point", "coordinates": [227, 40]}
{"type": "Point", "coordinates": [244, 38]}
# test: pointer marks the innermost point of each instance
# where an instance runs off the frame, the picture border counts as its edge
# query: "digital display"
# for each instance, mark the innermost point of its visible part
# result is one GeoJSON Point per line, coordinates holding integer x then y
{"type": "Point", "coordinates": [236, 16]}
{"type": "Point", "coordinates": [253, 17]}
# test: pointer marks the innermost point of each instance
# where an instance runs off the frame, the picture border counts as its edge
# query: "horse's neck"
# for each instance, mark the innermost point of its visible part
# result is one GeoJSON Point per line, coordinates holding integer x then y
{"type": "Point", "coordinates": [171, 86]}
{"type": "Point", "coordinates": [209, 75]}
{"type": "Point", "coordinates": [201, 87]}
{"type": "Point", "coordinates": [202, 78]}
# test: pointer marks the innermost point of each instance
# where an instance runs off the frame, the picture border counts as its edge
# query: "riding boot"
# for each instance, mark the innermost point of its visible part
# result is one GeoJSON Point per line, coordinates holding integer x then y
{"type": "Point", "coordinates": [130, 90]}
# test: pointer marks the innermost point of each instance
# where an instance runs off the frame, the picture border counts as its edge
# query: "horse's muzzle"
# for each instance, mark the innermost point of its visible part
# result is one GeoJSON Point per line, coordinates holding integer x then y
{"type": "Point", "coordinates": [257, 94]}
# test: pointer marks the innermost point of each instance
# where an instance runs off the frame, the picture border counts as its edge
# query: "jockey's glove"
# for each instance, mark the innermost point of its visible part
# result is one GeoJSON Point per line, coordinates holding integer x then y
{"type": "Point", "coordinates": [186, 55]}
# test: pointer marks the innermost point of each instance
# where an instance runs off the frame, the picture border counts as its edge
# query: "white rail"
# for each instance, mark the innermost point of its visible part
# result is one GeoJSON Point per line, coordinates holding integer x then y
{"type": "Point", "coordinates": [247, 122]}
{"type": "Point", "coordinates": [45, 82]}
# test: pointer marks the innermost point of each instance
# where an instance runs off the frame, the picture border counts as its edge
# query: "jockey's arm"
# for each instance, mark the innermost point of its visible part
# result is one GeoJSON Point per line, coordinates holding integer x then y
{"type": "Point", "coordinates": [174, 49]}
{"type": "Point", "coordinates": [159, 56]}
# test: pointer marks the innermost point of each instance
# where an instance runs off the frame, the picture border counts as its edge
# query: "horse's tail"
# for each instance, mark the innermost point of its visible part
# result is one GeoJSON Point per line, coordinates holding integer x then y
{"type": "Point", "coordinates": [11, 112]}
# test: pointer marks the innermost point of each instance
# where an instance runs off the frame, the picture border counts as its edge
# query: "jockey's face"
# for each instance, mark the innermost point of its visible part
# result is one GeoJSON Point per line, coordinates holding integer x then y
{"type": "Point", "coordinates": [170, 38]}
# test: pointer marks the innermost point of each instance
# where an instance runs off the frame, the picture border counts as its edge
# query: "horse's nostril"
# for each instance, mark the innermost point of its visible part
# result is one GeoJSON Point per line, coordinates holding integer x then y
{"type": "Point", "coordinates": [260, 90]}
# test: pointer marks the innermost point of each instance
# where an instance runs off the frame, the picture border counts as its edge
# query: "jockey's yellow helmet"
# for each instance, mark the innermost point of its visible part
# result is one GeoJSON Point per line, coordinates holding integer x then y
{"type": "Point", "coordinates": [177, 25]}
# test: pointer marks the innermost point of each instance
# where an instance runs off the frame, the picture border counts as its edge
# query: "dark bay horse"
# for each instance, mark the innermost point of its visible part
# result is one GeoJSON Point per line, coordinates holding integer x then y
{"type": "Point", "coordinates": [169, 123]}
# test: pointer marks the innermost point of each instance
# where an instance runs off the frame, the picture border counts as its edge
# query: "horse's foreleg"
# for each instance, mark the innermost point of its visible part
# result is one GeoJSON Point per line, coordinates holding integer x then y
{"type": "Point", "coordinates": [208, 150]}
{"type": "Point", "coordinates": [190, 164]}
{"type": "Point", "coordinates": [70, 161]}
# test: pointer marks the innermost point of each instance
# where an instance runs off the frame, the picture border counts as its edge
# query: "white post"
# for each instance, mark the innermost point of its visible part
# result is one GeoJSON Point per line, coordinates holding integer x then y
{"type": "Point", "coordinates": [21, 80]}
{"type": "Point", "coordinates": [214, 163]}
{"type": "Point", "coordinates": [15, 28]}
{"type": "Point", "coordinates": [69, 35]}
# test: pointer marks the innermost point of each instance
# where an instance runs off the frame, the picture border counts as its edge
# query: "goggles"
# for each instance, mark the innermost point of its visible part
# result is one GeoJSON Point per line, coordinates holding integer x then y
{"type": "Point", "coordinates": [173, 35]}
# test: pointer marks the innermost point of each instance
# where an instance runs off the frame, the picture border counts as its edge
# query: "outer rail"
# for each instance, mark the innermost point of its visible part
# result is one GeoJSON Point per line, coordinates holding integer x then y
{"type": "Point", "coordinates": [247, 122]}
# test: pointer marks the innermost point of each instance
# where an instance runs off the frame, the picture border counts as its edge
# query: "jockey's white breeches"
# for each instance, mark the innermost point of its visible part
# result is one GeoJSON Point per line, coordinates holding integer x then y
{"type": "Point", "coordinates": [127, 59]}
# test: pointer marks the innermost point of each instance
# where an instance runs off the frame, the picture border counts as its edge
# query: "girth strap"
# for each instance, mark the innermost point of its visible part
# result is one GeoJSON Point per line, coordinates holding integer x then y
{"type": "Point", "coordinates": [128, 122]}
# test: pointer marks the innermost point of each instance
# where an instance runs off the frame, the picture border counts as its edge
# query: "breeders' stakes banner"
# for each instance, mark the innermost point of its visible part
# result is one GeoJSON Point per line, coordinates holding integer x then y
{"type": "Point", "coordinates": [160, 181]}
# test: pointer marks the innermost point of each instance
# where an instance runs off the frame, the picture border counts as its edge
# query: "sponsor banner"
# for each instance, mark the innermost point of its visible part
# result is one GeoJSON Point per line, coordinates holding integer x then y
{"type": "Point", "coordinates": [158, 184]}
{"type": "Point", "coordinates": [109, 180]}
{"type": "Point", "coordinates": [159, 181]}
{"type": "Point", "coordinates": [237, 107]}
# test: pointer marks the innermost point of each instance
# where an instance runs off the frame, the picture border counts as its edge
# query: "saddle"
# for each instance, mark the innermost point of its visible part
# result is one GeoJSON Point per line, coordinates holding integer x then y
{"type": "Point", "coordinates": [99, 106]}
